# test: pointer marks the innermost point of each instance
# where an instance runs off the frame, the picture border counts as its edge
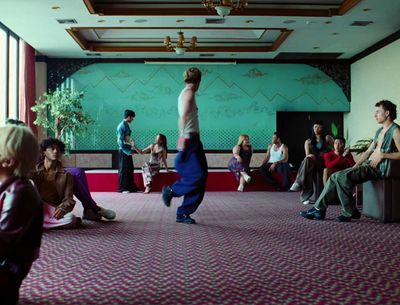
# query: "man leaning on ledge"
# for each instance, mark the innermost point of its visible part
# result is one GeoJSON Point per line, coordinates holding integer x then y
{"type": "Point", "coordinates": [371, 166]}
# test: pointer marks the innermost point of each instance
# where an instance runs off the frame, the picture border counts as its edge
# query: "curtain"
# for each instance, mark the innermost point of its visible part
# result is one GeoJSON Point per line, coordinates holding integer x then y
{"type": "Point", "coordinates": [27, 86]}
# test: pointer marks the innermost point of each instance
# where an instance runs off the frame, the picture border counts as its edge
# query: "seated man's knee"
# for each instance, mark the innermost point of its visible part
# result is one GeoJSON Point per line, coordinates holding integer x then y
{"type": "Point", "coordinates": [326, 174]}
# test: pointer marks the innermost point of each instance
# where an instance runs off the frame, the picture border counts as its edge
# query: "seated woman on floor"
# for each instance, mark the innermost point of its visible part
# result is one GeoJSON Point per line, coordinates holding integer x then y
{"type": "Point", "coordinates": [337, 159]}
{"type": "Point", "coordinates": [21, 210]}
{"type": "Point", "coordinates": [311, 169]}
{"type": "Point", "coordinates": [158, 155]}
{"type": "Point", "coordinates": [239, 164]}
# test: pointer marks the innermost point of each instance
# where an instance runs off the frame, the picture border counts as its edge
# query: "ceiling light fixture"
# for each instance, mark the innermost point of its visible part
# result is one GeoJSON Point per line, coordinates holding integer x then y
{"type": "Point", "coordinates": [180, 48]}
{"type": "Point", "coordinates": [224, 7]}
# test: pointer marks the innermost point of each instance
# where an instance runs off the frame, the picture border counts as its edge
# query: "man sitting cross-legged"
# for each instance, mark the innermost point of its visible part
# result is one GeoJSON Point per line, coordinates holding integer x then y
{"type": "Point", "coordinates": [81, 190]}
{"type": "Point", "coordinates": [56, 187]}
{"type": "Point", "coordinates": [385, 146]}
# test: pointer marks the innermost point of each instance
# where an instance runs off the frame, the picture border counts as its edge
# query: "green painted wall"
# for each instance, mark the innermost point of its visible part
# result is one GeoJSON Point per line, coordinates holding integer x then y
{"type": "Point", "coordinates": [232, 99]}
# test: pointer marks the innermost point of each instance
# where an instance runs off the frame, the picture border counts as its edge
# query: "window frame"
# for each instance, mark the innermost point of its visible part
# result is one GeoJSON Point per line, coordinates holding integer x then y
{"type": "Point", "coordinates": [7, 103]}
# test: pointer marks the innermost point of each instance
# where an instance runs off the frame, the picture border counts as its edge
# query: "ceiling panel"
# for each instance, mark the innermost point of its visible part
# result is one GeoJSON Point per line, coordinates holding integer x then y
{"type": "Point", "coordinates": [262, 30]}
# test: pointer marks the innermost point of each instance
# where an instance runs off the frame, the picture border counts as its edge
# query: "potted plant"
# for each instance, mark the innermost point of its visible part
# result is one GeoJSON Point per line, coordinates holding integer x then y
{"type": "Point", "coordinates": [62, 113]}
{"type": "Point", "coordinates": [361, 145]}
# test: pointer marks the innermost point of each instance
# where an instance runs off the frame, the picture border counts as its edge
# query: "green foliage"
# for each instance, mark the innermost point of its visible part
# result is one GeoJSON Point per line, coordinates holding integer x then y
{"type": "Point", "coordinates": [361, 145]}
{"type": "Point", "coordinates": [62, 113]}
{"type": "Point", "coordinates": [334, 130]}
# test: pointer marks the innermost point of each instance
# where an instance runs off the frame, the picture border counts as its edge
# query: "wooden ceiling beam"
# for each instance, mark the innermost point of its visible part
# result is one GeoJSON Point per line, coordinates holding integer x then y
{"type": "Point", "coordinates": [204, 12]}
{"type": "Point", "coordinates": [123, 49]}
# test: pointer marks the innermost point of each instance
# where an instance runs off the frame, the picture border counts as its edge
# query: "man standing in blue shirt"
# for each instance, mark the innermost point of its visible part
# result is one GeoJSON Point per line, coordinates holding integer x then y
{"type": "Point", "coordinates": [126, 145]}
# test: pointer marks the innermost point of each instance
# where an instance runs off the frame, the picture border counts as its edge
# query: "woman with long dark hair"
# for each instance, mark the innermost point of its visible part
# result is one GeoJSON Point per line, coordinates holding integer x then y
{"type": "Point", "coordinates": [309, 176]}
{"type": "Point", "coordinates": [158, 154]}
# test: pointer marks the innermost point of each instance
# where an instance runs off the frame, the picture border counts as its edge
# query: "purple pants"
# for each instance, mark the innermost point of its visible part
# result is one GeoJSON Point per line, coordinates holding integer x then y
{"type": "Point", "coordinates": [81, 188]}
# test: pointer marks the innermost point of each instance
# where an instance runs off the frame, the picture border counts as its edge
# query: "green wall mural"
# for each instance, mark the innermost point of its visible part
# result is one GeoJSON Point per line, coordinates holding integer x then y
{"type": "Point", "coordinates": [232, 99]}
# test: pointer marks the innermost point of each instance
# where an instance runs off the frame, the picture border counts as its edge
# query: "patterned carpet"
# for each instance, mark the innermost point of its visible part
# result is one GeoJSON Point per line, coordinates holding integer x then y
{"type": "Point", "coordinates": [247, 248]}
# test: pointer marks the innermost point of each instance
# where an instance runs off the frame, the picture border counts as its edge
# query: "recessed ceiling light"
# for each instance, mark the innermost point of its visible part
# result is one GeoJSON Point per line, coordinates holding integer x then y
{"type": "Point", "coordinates": [289, 21]}
{"type": "Point", "coordinates": [328, 22]}
{"type": "Point", "coordinates": [101, 20]}
{"type": "Point", "coordinates": [67, 21]}
{"type": "Point", "coordinates": [180, 20]}
{"type": "Point", "coordinates": [121, 21]}
{"type": "Point", "coordinates": [249, 21]}
{"type": "Point", "coordinates": [315, 48]}
{"type": "Point", "coordinates": [310, 22]}
{"type": "Point", "coordinates": [366, 9]}
{"type": "Point", "coordinates": [140, 20]}
{"type": "Point", "coordinates": [55, 7]}
{"type": "Point", "coordinates": [335, 33]}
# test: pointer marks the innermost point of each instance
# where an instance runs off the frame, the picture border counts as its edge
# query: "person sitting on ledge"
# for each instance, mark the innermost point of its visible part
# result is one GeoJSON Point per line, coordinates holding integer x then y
{"type": "Point", "coordinates": [239, 164]}
{"type": "Point", "coordinates": [158, 155]}
{"type": "Point", "coordinates": [372, 165]}
{"type": "Point", "coordinates": [91, 211]}
{"type": "Point", "coordinates": [276, 160]}
{"type": "Point", "coordinates": [56, 187]}
{"type": "Point", "coordinates": [309, 177]}
{"type": "Point", "coordinates": [337, 159]}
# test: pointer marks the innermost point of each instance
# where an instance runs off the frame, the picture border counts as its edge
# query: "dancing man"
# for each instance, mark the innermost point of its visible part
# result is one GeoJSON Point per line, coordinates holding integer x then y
{"type": "Point", "coordinates": [190, 162]}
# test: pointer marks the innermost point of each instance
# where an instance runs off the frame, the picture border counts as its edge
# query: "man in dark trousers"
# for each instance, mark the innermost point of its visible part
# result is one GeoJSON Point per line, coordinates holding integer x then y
{"type": "Point", "coordinates": [126, 145]}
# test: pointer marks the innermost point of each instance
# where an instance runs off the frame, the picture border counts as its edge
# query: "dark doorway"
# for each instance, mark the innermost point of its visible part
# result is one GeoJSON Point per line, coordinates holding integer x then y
{"type": "Point", "coordinates": [296, 127]}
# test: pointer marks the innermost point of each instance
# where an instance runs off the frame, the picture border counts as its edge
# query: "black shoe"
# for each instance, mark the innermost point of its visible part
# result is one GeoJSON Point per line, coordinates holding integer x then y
{"type": "Point", "coordinates": [90, 214]}
{"type": "Point", "coordinates": [343, 218]}
{"type": "Point", "coordinates": [313, 213]}
{"type": "Point", "coordinates": [356, 214]}
{"type": "Point", "coordinates": [167, 195]}
{"type": "Point", "coordinates": [185, 219]}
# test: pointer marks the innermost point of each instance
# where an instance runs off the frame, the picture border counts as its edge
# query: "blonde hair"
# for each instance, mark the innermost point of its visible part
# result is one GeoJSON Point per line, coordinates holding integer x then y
{"type": "Point", "coordinates": [241, 139]}
{"type": "Point", "coordinates": [192, 76]}
{"type": "Point", "coordinates": [20, 144]}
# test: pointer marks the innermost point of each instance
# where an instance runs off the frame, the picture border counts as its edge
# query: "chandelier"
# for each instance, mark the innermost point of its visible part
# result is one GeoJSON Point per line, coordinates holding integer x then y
{"type": "Point", "coordinates": [180, 48]}
{"type": "Point", "coordinates": [224, 7]}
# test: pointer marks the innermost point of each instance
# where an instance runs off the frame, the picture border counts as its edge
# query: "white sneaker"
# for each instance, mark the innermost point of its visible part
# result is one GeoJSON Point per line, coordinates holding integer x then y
{"type": "Point", "coordinates": [240, 188]}
{"type": "Point", "coordinates": [306, 202]}
{"type": "Point", "coordinates": [246, 177]}
{"type": "Point", "coordinates": [295, 187]}
{"type": "Point", "coordinates": [107, 214]}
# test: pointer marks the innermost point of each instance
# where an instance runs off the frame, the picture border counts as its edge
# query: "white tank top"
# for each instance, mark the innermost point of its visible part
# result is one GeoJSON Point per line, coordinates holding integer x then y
{"type": "Point", "coordinates": [275, 156]}
{"type": "Point", "coordinates": [192, 123]}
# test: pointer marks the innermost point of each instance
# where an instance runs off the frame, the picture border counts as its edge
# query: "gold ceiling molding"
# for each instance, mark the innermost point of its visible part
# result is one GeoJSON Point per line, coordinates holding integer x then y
{"type": "Point", "coordinates": [195, 8]}
{"type": "Point", "coordinates": [156, 45]}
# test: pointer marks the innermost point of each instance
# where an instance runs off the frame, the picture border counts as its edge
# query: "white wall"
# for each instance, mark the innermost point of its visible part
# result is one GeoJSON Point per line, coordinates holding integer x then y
{"type": "Point", "coordinates": [373, 78]}
{"type": "Point", "coordinates": [41, 78]}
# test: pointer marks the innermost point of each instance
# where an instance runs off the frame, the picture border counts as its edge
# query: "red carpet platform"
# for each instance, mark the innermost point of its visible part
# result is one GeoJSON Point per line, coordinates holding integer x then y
{"type": "Point", "coordinates": [218, 181]}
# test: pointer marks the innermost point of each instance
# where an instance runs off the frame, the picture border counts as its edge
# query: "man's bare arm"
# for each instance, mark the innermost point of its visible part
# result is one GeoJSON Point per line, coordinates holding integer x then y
{"type": "Point", "coordinates": [365, 154]}
{"type": "Point", "coordinates": [265, 161]}
{"type": "Point", "coordinates": [285, 151]}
